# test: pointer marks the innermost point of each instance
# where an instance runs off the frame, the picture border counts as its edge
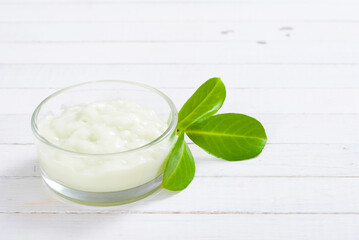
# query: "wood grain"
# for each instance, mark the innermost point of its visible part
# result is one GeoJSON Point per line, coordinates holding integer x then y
{"type": "Point", "coordinates": [265, 32]}
{"type": "Point", "coordinates": [179, 76]}
{"type": "Point", "coordinates": [176, 53]}
{"type": "Point", "coordinates": [330, 195]}
{"type": "Point", "coordinates": [277, 160]}
{"type": "Point", "coordinates": [242, 11]}
{"type": "Point", "coordinates": [188, 226]}
{"type": "Point", "coordinates": [266, 101]}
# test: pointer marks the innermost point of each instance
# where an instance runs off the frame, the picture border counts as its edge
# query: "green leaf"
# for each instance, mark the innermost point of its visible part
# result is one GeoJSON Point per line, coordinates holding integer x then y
{"type": "Point", "coordinates": [205, 102]}
{"type": "Point", "coordinates": [230, 136]}
{"type": "Point", "coordinates": [180, 167]}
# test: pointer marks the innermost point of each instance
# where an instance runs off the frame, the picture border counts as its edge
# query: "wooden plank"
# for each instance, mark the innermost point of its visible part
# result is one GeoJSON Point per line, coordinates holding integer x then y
{"type": "Point", "coordinates": [184, 76]}
{"type": "Point", "coordinates": [280, 128]}
{"type": "Point", "coordinates": [236, 11]}
{"type": "Point", "coordinates": [266, 101]}
{"type": "Point", "coordinates": [74, 2]}
{"type": "Point", "coordinates": [265, 32]}
{"type": "Point", "coordinates": [176, 53]}
{"type": "Point", "coordinates": [19, 160]}
{"type": "Point", "coordinates": [276, 160]}
{"type": "Point", "coordinates": [188, 226]}
{"type": "Point", "coordinates": [204, 194]}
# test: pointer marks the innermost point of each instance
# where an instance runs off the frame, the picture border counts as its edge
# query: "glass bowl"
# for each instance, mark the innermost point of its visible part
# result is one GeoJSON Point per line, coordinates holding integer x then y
{"type": "Point", "coordinates": [110, 178]}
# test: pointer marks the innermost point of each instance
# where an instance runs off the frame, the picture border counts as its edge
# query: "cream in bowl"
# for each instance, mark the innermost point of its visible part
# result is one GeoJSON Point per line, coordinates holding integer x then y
{"type": "Point", "coordinates": [104, 142]}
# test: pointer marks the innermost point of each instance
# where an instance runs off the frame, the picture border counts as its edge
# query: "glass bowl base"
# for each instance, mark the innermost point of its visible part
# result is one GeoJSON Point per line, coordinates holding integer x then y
{"type": "Point", "coordinates": [103, 198]}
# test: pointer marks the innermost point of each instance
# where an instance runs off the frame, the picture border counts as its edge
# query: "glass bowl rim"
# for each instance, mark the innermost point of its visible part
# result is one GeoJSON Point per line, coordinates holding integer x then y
{"type": "Point", "coordinates": [171, 126]}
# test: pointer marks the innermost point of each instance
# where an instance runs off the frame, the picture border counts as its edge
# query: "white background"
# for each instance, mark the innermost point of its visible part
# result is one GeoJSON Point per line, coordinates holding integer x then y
{"type": "Point", "coordinates": [292, 64]}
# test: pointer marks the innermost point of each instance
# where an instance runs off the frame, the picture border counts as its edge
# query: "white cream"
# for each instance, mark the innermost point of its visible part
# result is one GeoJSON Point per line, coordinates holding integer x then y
{"type": "Point", "coordinates": [103, 127]}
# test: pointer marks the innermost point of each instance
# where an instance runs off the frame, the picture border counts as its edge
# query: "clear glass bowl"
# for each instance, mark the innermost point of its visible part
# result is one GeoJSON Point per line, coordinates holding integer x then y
{"type": "Point", "coordinates": [112, 178]}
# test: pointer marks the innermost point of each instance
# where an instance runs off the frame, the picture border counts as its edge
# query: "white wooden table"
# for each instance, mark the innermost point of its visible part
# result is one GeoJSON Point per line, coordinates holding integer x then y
{"type": "Point", "coordinates": [293, 64]}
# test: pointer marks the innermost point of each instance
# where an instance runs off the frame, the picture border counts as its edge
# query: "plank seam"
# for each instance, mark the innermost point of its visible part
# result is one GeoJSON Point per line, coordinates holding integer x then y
{"type": "Point", "coordinates": [179, 213]}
